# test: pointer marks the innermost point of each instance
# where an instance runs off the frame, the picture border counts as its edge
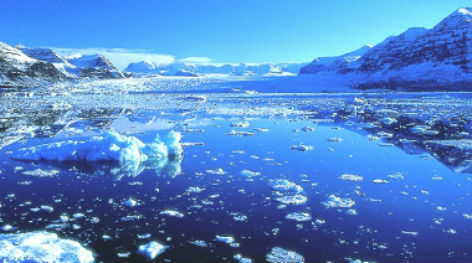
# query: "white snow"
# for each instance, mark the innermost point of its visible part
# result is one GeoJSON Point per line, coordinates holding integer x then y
{"type": "Point", "coordinates": [41, 247]}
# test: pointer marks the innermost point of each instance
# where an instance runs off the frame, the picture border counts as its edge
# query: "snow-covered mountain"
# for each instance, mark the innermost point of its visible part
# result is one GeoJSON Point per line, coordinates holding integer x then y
{"type": "Point", "coordinates": [418, 58]}
{"type": "Point", "coordinates": [16, 66]}
{"type": "Point", "coordinates": [94, 66]}
{"type": "Point", "coordinates": [242, 69]}
{"type": "Point", "coordinates": [22, 65]}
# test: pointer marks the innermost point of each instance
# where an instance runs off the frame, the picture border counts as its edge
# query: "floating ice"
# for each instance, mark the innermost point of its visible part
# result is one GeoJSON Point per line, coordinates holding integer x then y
{"type": "Point", "coordinates": [351, 177]}
{"type": "Point", "coordinates": [411, 233]}
{"type": "Point", "coordinates": [128, 151]}
{"type": "Point", "coordinates": [302, 148]}
{"type": "Point", "coordinates": [110, 147]}
{"type": "Point", "coordinates": [41, 247]}
{"type": "Point", "coordinates": [292, 199]}
{"type": "Point", "coordinates": [284, 185]}
{"type": "Point", "coordinates": [335, 201]}
{"type": "Point", "coordinates": [199, 243]}
{"type": "Point", "coordinates": [41, 173]}
{"type": "Point", "coordinates": [225, 239]}
{"type": "Point", "coordinates": [351, 212]}
{"type": "Point", "coordinates": [380, 181]}
{"type": "Point", "coordinates": [218, 171]}
{"type": "Point", "coordinates": [130, 203]}
{"type": "Point", "coordinates": [249, 173]}
{"type": "Point", "coordinates": [151, 250]}
{"type": "Point", "coordinates": [241, 124]}
{"type": "Point", "coordinates": [172, 213]}
{"type": "Point", "coordinates": [242, 259]}
{"type": "Point", "coordinates": [280, 255]}
{"type": "Point", "coordinates": [299, 216]}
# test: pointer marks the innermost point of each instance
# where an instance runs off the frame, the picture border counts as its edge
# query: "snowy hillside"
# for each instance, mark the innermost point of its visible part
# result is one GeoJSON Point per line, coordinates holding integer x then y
{"type": "Point", "coordinates": [16, 66]}
{"type": "Point", "coordinates": [418, 57]}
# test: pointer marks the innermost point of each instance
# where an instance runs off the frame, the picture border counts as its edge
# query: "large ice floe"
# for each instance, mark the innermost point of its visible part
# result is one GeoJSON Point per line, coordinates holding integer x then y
{"type": "Point", "coordinates": [41, 247]}
{"type": "Point", "coordinates": [129, 154]}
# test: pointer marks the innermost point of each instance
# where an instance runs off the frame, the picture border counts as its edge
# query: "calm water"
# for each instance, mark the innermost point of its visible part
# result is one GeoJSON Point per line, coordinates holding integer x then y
{"type": "Point", "coordinates": [419, 213]}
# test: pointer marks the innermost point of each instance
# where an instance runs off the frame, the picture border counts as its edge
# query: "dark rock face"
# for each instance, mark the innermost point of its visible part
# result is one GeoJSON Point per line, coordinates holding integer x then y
{"type": "Point", "coordinates": [439, 56]}
{"type": "Point", "coordinates": [42, 69]}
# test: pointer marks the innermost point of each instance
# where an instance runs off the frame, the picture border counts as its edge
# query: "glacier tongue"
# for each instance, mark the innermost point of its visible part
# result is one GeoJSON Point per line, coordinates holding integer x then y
{"type": "Point", "coordinates": [41, 247]}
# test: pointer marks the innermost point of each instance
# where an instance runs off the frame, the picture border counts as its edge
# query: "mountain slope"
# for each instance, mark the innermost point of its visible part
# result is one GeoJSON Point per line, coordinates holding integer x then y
{"type": "Point", "coordinates": [94, 66]}
{"type": "Point", "coordinates": [437, 57]}
{"type": "Point", "coordinates": [15, 66]}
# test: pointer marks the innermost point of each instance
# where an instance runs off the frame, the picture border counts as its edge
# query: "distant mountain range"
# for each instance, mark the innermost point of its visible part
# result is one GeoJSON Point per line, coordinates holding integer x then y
{"type": "Point", "coordinates": [242, 69]}
{"type": "Point", "coordinates": [418, 58]}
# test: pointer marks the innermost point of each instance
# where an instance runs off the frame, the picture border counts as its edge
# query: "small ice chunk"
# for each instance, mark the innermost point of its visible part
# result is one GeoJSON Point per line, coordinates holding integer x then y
{"type": "Point", "coordinates": [280, 255]}
{"type": "Point", "coordinates": [240, 124]}
{"type": "Point", "coordinates": [151, 250]}
{"type": "Point", "coordinates": [335, 201]}
{"type": "Point", "coordinates": [225, 239]}
{"type": "Point", "coordinates": [335, 139]}
{"type": "Point", "coordinates": [284, 185]}
{"type": "Point", "coordinates": [302, 148]}
{"type": "Point", "coordinates": [195, 189]}
{"type": "Point", "coordinates": [292, 199]}
{"type": "Point", "coordinates": [411, 233]}
{"type": "Point", "coordinates": [47, 208]}
{"type": "Point", "coordinates": [351, 212]}
{"type": "Point", "coordinates": [199, 243]}
{"type": "Point", "coordinates": [380, 181]}
{"type": "Point", "coordinates": [7, 228]}
{"type": "Point", "coordinates": [172, 213]}
{"type": "Point", "coordinates": [298, 216]}
{"type": "Point", "coordinates": [41, 173]}
{"type": "Point", "coordinates": [242, 259]}
{"type": "Point", "coordinates": [351, 177]}
{"type": "Point", "coordinates": [249, 173]}
{"type": "Point", "coordinates": [218, 171]}
{"type": "Point", "coordinates": [130, 203]}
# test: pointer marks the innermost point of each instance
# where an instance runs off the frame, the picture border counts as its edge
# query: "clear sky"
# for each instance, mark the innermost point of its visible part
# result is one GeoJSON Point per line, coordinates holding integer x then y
{"type": "Point", "coordinates": [216, 30]}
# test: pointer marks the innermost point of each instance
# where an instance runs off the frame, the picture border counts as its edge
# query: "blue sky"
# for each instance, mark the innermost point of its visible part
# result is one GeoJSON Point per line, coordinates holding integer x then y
{"type": "Point", "coordinates": [215, 30]}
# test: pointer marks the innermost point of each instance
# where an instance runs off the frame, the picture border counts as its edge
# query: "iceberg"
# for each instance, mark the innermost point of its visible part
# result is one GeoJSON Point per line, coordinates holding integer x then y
{"type": "Point", "coordinates": [129, 155]}
{"type": "Point", "coordinates": [151, 250]}
{"type": "Point", "coordinates": [41, 247]}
